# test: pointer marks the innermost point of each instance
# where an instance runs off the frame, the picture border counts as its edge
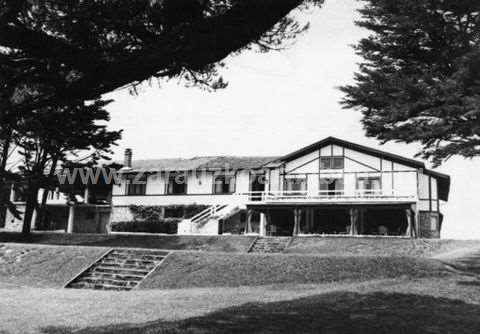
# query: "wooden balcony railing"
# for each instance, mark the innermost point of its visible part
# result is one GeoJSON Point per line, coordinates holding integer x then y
{"type": "Point", "coordinates": [324, 195]}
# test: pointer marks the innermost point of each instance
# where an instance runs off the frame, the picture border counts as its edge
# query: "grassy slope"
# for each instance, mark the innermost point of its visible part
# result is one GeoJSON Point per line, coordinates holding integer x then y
{"type": "Point", "coordinates": [188, 269]}
{"type": "Point", "coordinates": [200, 243]}
{"type": "Point", "coordinates": [351, 246]}
{"type": "Point", "coordinates": [43, 266]}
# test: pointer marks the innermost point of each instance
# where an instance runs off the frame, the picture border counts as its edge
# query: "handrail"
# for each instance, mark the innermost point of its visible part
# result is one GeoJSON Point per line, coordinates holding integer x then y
{"type": "Point", "coordinates": [323, 194]}
{"type": "Point", "coordinates": [207, 213]}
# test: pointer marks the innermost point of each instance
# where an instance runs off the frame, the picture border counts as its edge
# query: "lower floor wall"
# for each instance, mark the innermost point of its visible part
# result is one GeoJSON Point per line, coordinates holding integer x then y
{"type": "Point", "coordinates": [93, 219]}
{"type": "Point", "coordinates": [87, 219]}
{"type": "Point", "coordinates": [429, 224]}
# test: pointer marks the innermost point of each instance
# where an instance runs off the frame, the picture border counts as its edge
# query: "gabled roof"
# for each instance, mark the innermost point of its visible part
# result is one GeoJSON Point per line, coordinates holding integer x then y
{"type": "Point", "coordinates": [443, 179]}
{"type": "Point", "coordinates": [199, 163]}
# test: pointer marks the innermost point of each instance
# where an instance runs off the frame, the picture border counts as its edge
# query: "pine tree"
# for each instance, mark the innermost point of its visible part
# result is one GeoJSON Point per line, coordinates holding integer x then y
{"type": "Point", "coordinates": [420, 78]}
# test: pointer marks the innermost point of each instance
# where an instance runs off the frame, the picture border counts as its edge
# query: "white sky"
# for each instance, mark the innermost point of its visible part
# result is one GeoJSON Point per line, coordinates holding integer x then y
{"type": "Point", "coordinates": [276, 103]}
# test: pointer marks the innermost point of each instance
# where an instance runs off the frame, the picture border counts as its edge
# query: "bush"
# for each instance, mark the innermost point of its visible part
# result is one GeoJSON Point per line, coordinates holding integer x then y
{"type": "Point", "coordinates": [154, 212]}
{"type": "Point", "coordinates": [168, 226]}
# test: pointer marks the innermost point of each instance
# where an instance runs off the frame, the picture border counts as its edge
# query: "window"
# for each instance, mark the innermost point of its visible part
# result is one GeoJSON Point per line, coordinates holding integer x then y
{"type": "Point", "coordinates": [177, 184]}
{"type": "Point", "coordinates": [331, 162]}
{"type": "Point", "coordinates": [136, 184]}
{"type": "Point", "coordinates": [224, 184]}
{"type": "Point", "coordinates": [369, 185]}
{"type": "Point", "coordinates": [296, 186]}
{"type": "Point", "coordinates": [331, 186]}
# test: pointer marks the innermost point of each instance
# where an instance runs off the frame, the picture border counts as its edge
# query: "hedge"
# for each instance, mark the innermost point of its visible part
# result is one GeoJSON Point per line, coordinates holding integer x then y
{"type": "Point", "coordinates": [168, 225]}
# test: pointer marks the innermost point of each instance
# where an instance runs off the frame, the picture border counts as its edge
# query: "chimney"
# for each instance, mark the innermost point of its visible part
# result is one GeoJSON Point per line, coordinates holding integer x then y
{"type": "Point", "coordinates": [127, 162]}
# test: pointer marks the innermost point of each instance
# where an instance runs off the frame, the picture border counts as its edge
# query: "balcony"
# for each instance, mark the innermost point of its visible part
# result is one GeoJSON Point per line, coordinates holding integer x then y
{"type": "Point", "coordinates": [327, 196]}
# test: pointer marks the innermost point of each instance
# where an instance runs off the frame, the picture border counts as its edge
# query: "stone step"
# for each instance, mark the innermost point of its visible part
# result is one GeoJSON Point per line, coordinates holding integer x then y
{"type": "Point", "coordinates": [120, 269]}
{"type": "Point", "coordinates": [123, 257]}
{"type": "Point", "coordinates": [107, 281]}
{"type": "Point", "coordinates": [138, 253]}
{"type": "Point", "coordinates": [270, 245]}
{"type": "Point", "coordinates": [98, 287]}
{"type": "Point", "coordinates": [117, 270]}
{"type": "Point", "coordinates": [126, 265]}
{"type": "Point", "coordinates": [94, 274]}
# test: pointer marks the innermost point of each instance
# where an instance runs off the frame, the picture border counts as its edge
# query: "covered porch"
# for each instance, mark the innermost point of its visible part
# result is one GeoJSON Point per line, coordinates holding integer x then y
{"type": "Point", "coordinates": [353, 219]}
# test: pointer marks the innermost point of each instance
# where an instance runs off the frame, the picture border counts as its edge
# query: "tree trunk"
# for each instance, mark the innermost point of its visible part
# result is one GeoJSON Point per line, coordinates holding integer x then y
{"type": "Point", "coordinates": [42, 210]}
{"type": "Point", "coordinates": [31, 203]}
{"type": "Point", "coordinates": [3, 166]}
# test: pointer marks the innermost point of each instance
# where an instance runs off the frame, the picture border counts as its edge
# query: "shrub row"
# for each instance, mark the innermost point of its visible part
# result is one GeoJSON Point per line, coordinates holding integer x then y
{"type": "Point", "coordinates": [167, 225]}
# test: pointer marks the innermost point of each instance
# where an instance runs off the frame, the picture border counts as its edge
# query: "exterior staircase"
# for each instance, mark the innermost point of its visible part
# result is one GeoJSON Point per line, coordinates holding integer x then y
{"type": "Point", "coordinates": [270, 244]}
{"type": "Point", "coordinates": [119, 269]}
{"type": "Point", "coordinates": [207, 221]}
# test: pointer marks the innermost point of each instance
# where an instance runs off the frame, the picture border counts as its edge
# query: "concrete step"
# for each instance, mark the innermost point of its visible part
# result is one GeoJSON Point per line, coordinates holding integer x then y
{"type": "Point", "coordinates": [120, 269]}
{"type": "Point", "coordinates": [270, 245]}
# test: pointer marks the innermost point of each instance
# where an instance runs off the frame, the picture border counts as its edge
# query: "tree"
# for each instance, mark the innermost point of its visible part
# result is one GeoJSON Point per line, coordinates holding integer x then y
{"type": "Point", "coordinates": [88, 48]}
{"type": "Point", "coordinates": [59, 55]}
{"type": "Point", "coordinates": [420, 78]}
{"type": "Point", "coordinates": [56, 135]}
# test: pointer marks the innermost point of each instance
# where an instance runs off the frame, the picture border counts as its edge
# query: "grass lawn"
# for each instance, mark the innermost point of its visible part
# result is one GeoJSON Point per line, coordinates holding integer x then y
{"type": "Point", "coordinates": [380, 246]}
{"type": "Point", "coordinates": [195, 269]}
{"type": "Point", "coordinates": [210, 292]}
{"type": "Point", "coordinates": [175, 242]}
{"type": "Point", "coordinates": [380, 306]}
{"type": "Point", "coordinates": [43, 266]}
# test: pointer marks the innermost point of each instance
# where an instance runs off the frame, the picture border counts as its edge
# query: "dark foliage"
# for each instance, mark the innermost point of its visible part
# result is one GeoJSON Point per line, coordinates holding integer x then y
{"type": "Point", "coordinates": [168, 226]}
{"type": "Point", "coordinates": [420, 79]}
{"type": "Point", "coordinates": [157, 212]}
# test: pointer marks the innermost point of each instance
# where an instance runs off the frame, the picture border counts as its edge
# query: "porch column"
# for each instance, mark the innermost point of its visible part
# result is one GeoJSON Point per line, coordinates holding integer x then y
{"type": "Point", "coordinates": [269, 221]}
{"type": "Point", "coordinates": [297, 215]}
{"type": "Point", "coordinates": [86, 195]}
{"type": "Point", "coordinates": [12, 194]}
{"type": "Point", "coordinates": [249, 222]}
{"type": "Point", "coordinates": [263, 224]}
{"type": "Point", "coordinates": [308, 219]}
{"type": "Point", "coordinates": [353, 221]}
{"type": "Point", "coordinates": [415, 221]}
{"type": "Point", "coordinates": [411, 232]}
{"type": "Point", "coordinates": [362, 221]}
{"type": "Point", "coordinates": [33, 221]}
{"type": "Point", "coordinates": [71, 218]}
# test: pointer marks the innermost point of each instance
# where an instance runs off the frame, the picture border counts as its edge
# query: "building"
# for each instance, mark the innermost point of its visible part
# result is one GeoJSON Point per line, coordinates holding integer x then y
{"type": "Point", "coordinates": [73, 207]}
{"type": "Point", "coordinates": [330, 187]}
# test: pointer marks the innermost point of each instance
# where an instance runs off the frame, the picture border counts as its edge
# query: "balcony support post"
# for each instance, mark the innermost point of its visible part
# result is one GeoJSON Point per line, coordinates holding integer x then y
{"type": "Point", "coordinates": [263, 224]}
{"type": "Point", "coordinates": [249, 221]}
{"type": "Point", "coordinates": [354, 221]}
{"type": "Point", "coordinates": [297, 216]}
{"type": "Point", "coordinates": [411, 221]}
{"type": "Point", "coordinates": [71, 218]}
{"type": "Point", "coordinates": [362, 221]}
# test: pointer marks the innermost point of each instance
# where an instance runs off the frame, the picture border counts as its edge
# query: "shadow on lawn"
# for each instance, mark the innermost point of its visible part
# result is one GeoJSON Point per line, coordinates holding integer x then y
{"type": "Point", "coordinates": [339, 312]}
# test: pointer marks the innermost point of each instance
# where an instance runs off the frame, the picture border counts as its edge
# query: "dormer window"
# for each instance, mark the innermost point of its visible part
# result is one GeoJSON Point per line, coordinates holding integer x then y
{"type": "Point", "coordinates": [331, 162]}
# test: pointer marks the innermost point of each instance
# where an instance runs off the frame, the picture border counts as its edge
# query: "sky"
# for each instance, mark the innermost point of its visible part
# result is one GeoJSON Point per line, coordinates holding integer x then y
{"type": "Point", "coordinates": [276, 103]}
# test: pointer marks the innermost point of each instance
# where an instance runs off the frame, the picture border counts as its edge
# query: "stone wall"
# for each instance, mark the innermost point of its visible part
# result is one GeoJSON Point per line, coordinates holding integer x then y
{"type": "Point", "coordinates": [13, 224]}
{"type": "Point", "coordinates": [429, 225]}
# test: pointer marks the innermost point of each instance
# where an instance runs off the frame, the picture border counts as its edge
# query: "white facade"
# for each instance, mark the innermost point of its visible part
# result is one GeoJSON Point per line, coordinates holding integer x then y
{"type": "Point", "coordinates": [330, 173]}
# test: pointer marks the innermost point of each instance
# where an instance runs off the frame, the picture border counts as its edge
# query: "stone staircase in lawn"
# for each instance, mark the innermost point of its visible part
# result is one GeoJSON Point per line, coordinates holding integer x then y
{"type": "Point", "coordinates": [270, 244]}
{"type": "Point", "coordinates": [119, 269]}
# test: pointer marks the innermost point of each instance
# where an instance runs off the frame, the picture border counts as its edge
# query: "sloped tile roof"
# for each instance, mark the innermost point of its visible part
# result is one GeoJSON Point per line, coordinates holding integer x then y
{"type": "Point", "coordinates": [199, 163]}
